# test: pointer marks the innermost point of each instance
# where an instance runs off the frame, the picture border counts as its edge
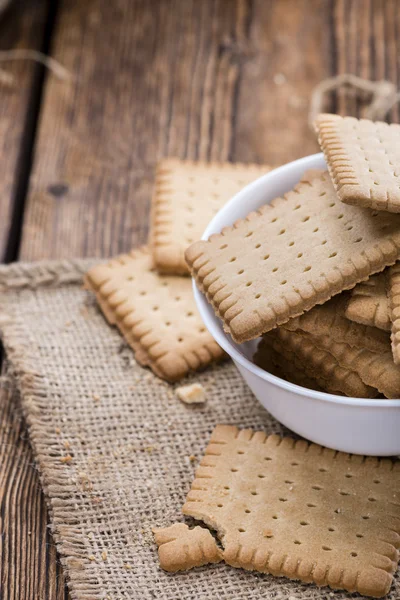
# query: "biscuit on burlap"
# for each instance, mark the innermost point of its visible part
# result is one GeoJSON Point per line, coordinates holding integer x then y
{"type": "Point", "coordinates": [375, 369]}
{"type": "Point", "coordinates": [187, 196]}
{"type": "Point", "coordinates": [363, 159]}
{"type": "Point", "coordinates": [287, 257]}
{"type": "Point", "coordinates": [328, 319]}
{"type": "Point", "coordinates": [368, 304]}
{"type": "Point", "coordinates": [320, 364]}
{"type": "Point", "coordinates": [156, 314]}
{"type": "Point", "coordinates": [295, 509]}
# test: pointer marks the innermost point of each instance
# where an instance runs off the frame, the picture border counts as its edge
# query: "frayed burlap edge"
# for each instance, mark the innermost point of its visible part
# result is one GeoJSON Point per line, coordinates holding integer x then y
{"type": "Point", "coordinates": [29, 384]}
{"type": "Point", "coordinates": [18, 276]}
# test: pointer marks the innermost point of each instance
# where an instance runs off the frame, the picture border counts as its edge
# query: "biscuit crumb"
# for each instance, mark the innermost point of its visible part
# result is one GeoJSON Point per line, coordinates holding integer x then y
{"type": "Point", "coordinates": [96, 398]}
{"type": "Point", "coordinates": [127, 567]}
{"type": "Point", "coordinates": [192, 394]}
{"type": "Point", "coordinates": [192, 458]}
{"type": "Point", "coordinates": [90, 535]}
{"type": "Point", "coordinates": [57, 430]}
{"type": "Point", "coordinates": [104, 555]}
{"type": "Point", "coordinates": [67, 445]}
{"type": "Point", "coordinates": [66, 459]}
{"type": "Point", "coordinates": [92, 558]}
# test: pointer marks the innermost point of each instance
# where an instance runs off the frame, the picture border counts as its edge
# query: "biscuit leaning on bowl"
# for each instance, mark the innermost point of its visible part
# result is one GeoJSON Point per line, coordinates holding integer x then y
{"type": "Point", "coordinates": [290, 255]}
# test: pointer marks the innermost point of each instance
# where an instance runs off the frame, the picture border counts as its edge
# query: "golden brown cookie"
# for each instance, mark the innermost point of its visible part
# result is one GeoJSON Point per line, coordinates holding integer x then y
{"type": "Point", "coordinates": [156, 314]}
{"type": "Point", "coordinates": [329, 319]}
{"type": "Point", "coordinates": [186, 197]}
{"type": "Point", "coordinates": [375, 369]}
{"type": "Point", "coordinates": [181, 548]}
{"type": "Point", "coordinates": [275, 359]}
{"type": "Point", "coordinates": [321, 364]}
{"type": "Point", "coordinates": [297, 252]}
{"type": "Point", "coordinates": [368, 304]}
{"type": "Point", "coordinates": [393, 294]}
{"type": "Point", "coordinates": [297, 509]}
{"type": "Point", "coordinates": [363, 158]}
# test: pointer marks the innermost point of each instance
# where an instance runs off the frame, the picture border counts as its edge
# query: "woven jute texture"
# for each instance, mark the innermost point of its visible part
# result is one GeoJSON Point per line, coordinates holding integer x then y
{"type": "Point", "coordinates": [129, 440]}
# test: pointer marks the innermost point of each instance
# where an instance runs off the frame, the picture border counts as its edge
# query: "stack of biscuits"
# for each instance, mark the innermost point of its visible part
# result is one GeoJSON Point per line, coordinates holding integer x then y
{"type": "Point", "coordinates": [314, 272]}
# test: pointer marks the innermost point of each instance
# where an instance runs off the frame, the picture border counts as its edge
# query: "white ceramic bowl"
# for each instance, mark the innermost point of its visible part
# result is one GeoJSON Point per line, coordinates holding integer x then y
{"type": "Point", "coordinates": [349, 424]}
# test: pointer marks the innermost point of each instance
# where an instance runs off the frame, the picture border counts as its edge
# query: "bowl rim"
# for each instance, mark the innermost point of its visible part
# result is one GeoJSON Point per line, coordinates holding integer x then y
{"type": "Point", "coordinates": [224, 340]}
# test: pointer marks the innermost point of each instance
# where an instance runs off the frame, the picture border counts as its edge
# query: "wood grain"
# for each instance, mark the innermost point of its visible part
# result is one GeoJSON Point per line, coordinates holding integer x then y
{"type": "Point", "coordinates": [367, 42]}
{"type": "Point", "coordinates": [289, 54]}
{"type": "Point", "coordinates": [20, 27]}
{"type": "Point", "coordinates": [212, 80]}
{"type": "Point", "coordinates": [28, 560]}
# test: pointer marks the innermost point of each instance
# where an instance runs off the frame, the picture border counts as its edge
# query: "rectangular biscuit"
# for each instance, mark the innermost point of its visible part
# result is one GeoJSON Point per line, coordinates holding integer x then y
{"type": "Point", "coordinates": [320, 364]}
{"type": "Point", "coordinates": [186, 197]}
{"type": "Point", "coordinates": [363, 158]}
{"type": "Point", "coordinates": [369, 305]}
{"type": "Point", "coordinates": [156, 314]}
{"type": "Point", "coordinates": [295, 509]}
{"type": "Point", "coordinates": [375, 369]}
{"type": "Point", "coordinates": [287, 257]}
{"type": "Point", "coordinates": [393, 293]}
{"type": "Point", "coordinates": [272, 358]}
{"type": "Point", "coordinates": [328, 319]}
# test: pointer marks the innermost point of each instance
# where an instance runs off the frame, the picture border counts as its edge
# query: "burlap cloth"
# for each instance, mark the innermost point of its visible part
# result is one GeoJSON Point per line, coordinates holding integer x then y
{"type": "Point", "coordinates": [130, 441]}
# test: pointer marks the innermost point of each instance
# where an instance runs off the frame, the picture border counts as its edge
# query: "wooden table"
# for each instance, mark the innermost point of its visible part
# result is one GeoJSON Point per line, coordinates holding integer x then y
{"type": "Point", "coordinates": [214, 80]}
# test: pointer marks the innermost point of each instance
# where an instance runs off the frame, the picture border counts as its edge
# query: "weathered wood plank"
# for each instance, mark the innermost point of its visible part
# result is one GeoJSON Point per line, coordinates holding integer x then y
{"type": "Point", "coordinates": [368, 45]}
{"type": "Point", "coordinates": [28, 560]}
{"type": "Point", "coordinates": [22, 26]}
{"type": "Point", "coordinates": [28, 563]}
{"type": "Point", "coordinates": [289, 53]}
{"type": "Point", "coordinates": [210, 80]}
